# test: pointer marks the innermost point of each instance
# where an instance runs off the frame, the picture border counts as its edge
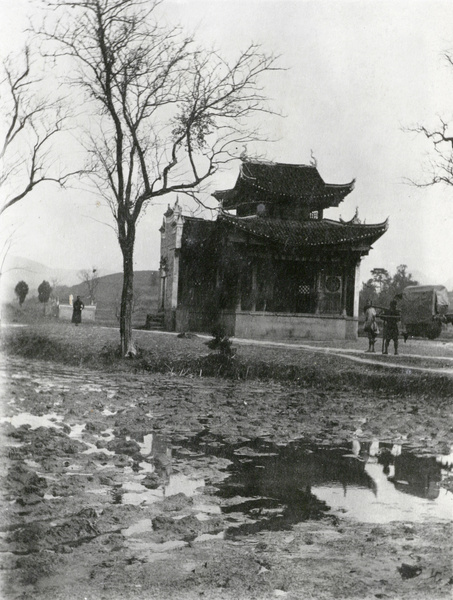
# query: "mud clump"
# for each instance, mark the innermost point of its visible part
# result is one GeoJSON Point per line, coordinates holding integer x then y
{"type": "Point", "coordinates": [176, 502]}
{"type": "Point", "coordinates": [168, 528]}
{"type": "Point", "coordinates": [29, 538]}
{"type": "Point", "coordinates": [122, 446]}
{"type": "Point", "coordinates": [33, 568]}
{"type": "Point", "coordinates": [24, 485]}
{"type": "Point", "coordinates": [152, 481]}
{"type": "Point", "coordinates": [51, 442]}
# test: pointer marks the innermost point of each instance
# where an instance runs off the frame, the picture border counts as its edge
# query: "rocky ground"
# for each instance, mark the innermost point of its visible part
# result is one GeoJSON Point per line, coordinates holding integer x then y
{"type": "Point", "coordinates": [122, 485]}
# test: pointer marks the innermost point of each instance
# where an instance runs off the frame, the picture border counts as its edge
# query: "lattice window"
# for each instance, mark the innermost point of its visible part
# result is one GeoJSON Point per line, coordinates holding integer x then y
{"type": "Point", "coordinates": [314, 215]}
{"type": "Point", "coordinates": [304, 290]}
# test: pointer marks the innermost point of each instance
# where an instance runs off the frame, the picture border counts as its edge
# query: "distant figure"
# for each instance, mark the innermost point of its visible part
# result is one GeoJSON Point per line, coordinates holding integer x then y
{"type": "Point", "coordinates": [371, 327]}
{"type": "Point", "coordinates": [390, 316]}
{"type": "Point", "coordinates": [77, 308]}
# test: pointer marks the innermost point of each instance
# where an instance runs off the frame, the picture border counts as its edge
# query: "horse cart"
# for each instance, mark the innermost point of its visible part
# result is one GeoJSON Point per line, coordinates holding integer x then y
{"type": "Point", "coordinates": [423, 310]}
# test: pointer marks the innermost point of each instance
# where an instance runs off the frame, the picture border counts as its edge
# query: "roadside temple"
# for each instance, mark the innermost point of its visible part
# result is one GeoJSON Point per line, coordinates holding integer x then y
{"type": "Point", "coordinates": [270, 266]}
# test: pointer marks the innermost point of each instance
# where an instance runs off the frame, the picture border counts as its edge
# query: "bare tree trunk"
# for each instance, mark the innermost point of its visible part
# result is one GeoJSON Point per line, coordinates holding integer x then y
{"type": "Point", "coordinates": [127, 297]}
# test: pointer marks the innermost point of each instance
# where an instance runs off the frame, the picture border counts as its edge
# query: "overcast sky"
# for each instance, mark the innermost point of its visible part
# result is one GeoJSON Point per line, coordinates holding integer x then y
{"type": "Point", "coordinates": [357, 73]}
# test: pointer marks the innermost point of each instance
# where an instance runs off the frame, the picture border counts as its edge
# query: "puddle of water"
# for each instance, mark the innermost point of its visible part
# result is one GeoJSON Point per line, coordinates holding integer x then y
{"type": "Point", "coordinates": [207, 537]}
{"type": "Point", "coordinates": [147, 445]}
{"type": "Point", "coordinates": [92, 449]}
{"type": "Point", "coordinates": [389, 502]}
{"type": "Point", "coordinates": [181, 484]}
{"type": "Point", "coordinates": [77, 433]}
{"type": "Point", "coordinates": [208, 509]}
{"type": "Point", "coordinates": [152, 552]}
{"type": "Point", "coordinates": [138, 528]}
{"type": "Point", "coordinates": [446, 460]}
{"type": "Point", "coordinates": [76, 430]}
{"type": "Point", "coordinates": [137, 494]}
{"type": "Point", "coordinates": [50, 420]}
{"type": "Point", "coordinates": [159, 455]}
{"type": "Point", "coordinates": [273, 487]}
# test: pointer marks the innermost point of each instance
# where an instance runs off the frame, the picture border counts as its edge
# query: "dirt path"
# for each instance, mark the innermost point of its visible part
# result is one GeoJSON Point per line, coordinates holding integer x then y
{"type": "Point", "coordinates": [354, 354]}
{"type": "Point", "coordinates": [134, 486]}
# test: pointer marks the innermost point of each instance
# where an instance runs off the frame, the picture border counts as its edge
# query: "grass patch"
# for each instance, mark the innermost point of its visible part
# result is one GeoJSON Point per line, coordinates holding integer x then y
{"type": "Point", "coordinates": [98, 348]}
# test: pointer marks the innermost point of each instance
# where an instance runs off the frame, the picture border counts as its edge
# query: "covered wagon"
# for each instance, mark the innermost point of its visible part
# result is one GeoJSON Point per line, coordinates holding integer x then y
{"type": "Point", "coordinates": [423, 310]}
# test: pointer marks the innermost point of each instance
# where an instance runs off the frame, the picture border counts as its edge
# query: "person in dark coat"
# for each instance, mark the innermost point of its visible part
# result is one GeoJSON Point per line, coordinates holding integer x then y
{"type": "Point", "coordinates": [77, 308]}
{"type": "Point", "coordinates": [390, 316]}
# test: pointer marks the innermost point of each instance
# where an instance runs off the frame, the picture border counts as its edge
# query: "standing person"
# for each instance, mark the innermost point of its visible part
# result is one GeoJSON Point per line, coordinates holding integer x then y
{"type": "Point", "coordinates": [77, 308]}
{"type": "Point", "coordinates": [371, 327]}
{"type": "Point", "coordinates": [390, 316]}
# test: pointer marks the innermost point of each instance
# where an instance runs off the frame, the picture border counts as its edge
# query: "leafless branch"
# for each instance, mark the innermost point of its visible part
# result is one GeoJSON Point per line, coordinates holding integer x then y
{"type": "Point", "coordinates": [30, 125]}
{"type": "Point", "coordinates": [440, 169]}
{"type": "Point", "coordinates": [166, 114]}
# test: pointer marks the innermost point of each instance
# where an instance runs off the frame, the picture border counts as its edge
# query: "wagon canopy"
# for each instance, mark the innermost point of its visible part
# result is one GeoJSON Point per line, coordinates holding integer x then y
{"type": "Point", "coordinates": [420, 303]}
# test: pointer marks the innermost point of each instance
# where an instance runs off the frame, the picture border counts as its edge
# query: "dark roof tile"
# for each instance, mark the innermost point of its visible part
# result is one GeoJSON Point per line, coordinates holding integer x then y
{"type": "Point", "coordinates": [276, 180]}
{"type": "Point", "coordinates": [299, 234]}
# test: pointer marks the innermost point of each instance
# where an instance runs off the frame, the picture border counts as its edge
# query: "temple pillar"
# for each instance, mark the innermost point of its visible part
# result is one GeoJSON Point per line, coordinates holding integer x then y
{"type": "Point", "coordinates": [162, 292]}
{"type": "Point", "coordinates": [356, 289]}
{"type": "Point", "coordinates": [344, 278]}
{"type": "Point", "coordinates": [238, 295]}
{"type": "Point", "coordinates": [319, 291]}
{"type": "Point", "coordinates": [175, 282]}
{"type": "Point", "coordinates": [254, 286]}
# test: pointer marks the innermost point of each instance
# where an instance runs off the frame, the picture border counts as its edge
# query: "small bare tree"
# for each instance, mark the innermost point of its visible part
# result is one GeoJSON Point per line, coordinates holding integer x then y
{"type": "Point", "coordinates": [91, 280]}
{"type": "Point", "coordinates": [166, 114]}
{"type": "Point", "coordinates": [441, 136]}
{"type": "Point", "coordinates": [28, 126]}
{"type": "Point", "coordinates": [21, 291]}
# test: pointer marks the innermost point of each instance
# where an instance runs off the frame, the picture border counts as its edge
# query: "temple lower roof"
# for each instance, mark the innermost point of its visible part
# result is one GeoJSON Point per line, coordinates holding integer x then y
{"type": "Point", "coordinates": [303, 234]}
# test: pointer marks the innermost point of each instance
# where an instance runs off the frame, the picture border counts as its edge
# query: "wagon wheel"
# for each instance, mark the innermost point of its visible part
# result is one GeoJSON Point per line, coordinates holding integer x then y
{"type": "Point", "coordinates": [434, 330]}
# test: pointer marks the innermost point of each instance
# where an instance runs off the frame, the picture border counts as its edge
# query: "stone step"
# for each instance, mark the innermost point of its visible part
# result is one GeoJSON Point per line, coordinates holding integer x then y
{"type": "Point", "coordinates": [154, 321]}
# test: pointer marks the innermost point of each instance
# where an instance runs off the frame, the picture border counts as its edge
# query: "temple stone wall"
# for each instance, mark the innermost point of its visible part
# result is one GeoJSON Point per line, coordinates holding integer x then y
{"type": "Point", "coordinates": [171, 232]}
{"type": "Point", "coordinates": [278, 326]}
{"type": "Point", "coordinates": [269, 326]}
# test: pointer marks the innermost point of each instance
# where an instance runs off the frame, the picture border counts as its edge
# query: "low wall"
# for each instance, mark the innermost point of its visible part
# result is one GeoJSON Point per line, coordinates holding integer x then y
{"type": "Point", "coordinates": [65, 313]}
{"type": "Point", "coordinates": [278, 326]}
{"type": "Point", "coordinates": [268, 326]}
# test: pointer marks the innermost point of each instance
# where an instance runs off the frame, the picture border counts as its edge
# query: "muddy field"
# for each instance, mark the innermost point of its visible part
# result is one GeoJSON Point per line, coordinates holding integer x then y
{"type": "Point", "coordinates": [151, 485]}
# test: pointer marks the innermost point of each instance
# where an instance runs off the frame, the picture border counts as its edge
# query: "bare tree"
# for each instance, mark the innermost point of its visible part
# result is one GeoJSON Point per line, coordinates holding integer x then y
{"type": "Point", "coordinates": [441, 136]}
{"type": "Point", "coordinates": [166, 114]}
{"type": "Point", "coordinates": [91, 280]}
{"type": "Point", "coordinates": [28, 127]}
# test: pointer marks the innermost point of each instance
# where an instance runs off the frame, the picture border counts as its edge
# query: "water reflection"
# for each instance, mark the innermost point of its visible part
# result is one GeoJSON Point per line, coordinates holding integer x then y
{"type": "Point", "coordinates": [419, 476]}
{"type": "Point", "coordinates": [273, 487]}
{"type": "Point", "coordinates": [155, 479]}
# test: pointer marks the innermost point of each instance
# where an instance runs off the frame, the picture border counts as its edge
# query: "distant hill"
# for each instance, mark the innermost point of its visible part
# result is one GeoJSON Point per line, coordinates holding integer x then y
{"type": "Point", "coordinates": [17, 268]}
{"type": "Point", "coordinates": [108, 296]}
{"type": "Point", "coordinates": [449, 284]}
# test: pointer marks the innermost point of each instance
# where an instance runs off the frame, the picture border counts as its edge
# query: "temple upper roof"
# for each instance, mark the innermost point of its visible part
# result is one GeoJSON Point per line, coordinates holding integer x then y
{"type": "Point", "coordinates": [267, 182]}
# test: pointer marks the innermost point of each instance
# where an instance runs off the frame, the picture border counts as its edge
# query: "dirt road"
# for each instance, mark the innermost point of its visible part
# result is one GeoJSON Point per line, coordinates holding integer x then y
{"type": "Point", "coordinates": [140, 486]}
